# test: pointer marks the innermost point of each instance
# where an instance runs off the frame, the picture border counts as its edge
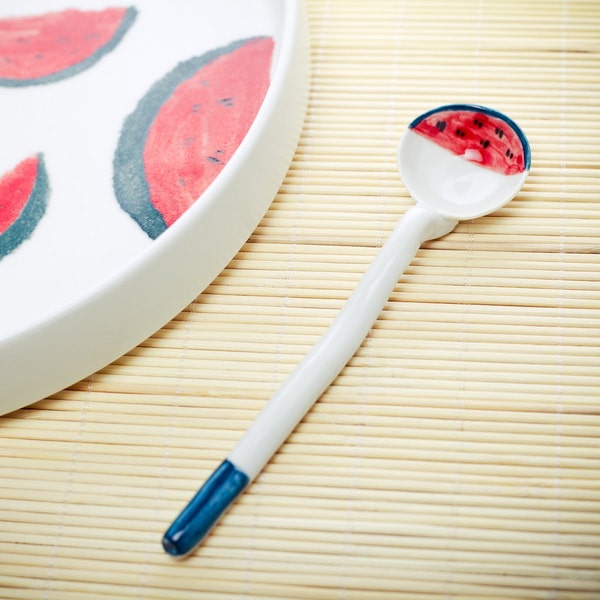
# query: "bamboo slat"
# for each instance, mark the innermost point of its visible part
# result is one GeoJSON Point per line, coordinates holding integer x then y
{"type": "Point", "coordinates": [455, 456]}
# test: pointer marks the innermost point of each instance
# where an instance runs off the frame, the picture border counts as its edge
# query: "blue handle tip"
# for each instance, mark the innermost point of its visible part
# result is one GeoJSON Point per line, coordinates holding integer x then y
{"type": "Point", "coordinates": [203, 511]}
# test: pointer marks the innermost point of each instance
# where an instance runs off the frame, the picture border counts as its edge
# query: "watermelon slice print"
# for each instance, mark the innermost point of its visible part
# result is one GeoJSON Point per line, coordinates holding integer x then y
{"type": "Point", "coordinates": [23, 197]}
{"type": "Point", "coordinates": [46, 48]}
{"type": "Point", "coordinates": [185, 130]}
{"type": "Point", "coordinates": [477, 134]}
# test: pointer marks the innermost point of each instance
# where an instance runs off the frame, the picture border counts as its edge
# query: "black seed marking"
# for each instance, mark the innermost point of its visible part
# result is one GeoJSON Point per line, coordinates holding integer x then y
{"type": "Point", "coordinates": [213, 159]}
{"type": "Point", "coordinates": [499, 132]}
{"type": "Point", "coordinates": [196, 108]}
{"type": "Point", "coordinates": [441, 125]}
{"type": "Point", "coordinates": [460, 133]}
{"type": "Point", "coordinates": [478, 122]}
{"type": "Point", "coordinates": [484, 143]}
{"type": "Point", "coordinates": [226, 101]}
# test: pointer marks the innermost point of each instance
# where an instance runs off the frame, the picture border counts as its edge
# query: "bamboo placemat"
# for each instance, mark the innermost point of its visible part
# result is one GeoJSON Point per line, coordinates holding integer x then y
{"type": "Point", "coordinates": [457, 455]}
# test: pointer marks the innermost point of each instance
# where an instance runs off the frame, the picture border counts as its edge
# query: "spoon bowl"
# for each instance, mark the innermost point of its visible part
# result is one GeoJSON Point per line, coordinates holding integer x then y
{"type": "Point", "coordinates": [463, 161]}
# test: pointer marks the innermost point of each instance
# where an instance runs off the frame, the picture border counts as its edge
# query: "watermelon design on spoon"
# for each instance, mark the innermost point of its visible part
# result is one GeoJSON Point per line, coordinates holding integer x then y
{"type": "Point", "coordinates": [23, 197]}
{"type": "Point", "coordinates": [477, 134]}
{"type": "Point", "coordinates": [185, 130]}
{"type": "Point", "coordinates": [46, 48]}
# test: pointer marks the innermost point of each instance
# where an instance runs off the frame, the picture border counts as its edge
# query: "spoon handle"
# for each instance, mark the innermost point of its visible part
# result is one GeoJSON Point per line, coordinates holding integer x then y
{"type": "Point", "coordinates": [308, 381]}
{"type": "Point", "coordinates": [322, 364]}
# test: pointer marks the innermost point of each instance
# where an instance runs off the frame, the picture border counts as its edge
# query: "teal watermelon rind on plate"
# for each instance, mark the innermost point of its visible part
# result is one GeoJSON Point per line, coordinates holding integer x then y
{"type": "Point", "coordinates": [24, 195]}
{"type": "Point", "coordinates": [42, 49]}
{"type": "Point", "coordinates": [185, 129]}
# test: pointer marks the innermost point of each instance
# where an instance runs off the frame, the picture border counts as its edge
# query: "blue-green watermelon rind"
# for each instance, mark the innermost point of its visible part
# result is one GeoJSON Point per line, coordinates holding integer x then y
{"type": "Point", "coordinates": [129, 176]}
{"type": "Point", "coordinates": [31, 214]}
{"type": "Point", "coordinates": [92, 59]}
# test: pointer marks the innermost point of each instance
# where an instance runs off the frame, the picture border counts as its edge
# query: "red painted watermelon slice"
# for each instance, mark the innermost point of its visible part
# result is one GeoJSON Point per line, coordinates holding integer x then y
{"type": "Point", "coordinates": [23, 197]}
{"type": "Point", "coordinates": [477, 134]}
{"type": "Point", "coordinates": [53, 46]}
{"type": "Point", "coordinates": [185, 130]}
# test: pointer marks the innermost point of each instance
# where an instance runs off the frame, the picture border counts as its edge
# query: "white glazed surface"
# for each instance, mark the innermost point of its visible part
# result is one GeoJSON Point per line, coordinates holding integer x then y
{"type": "Point", "coordinates": [447, 188]}
{"type": "Point", "coordinates": [319, 368]}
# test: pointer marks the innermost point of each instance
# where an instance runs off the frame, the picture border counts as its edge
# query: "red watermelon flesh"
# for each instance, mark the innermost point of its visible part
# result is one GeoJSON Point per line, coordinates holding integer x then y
{"type": "Point", "coordinates": [23, 196]}
{"type": "Point", "coordinates": [42, 48]}
{"type": "Point", "coordinates": [476, 136]}
{"type": "Point", "coordinates": [197, 130]}
{"type": "Point", "coordinates": [15, 189]}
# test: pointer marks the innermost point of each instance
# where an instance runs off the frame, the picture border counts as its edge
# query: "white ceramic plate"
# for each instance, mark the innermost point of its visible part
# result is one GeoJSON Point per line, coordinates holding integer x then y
{"type": "Point", "coordinates": [88, 283]}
